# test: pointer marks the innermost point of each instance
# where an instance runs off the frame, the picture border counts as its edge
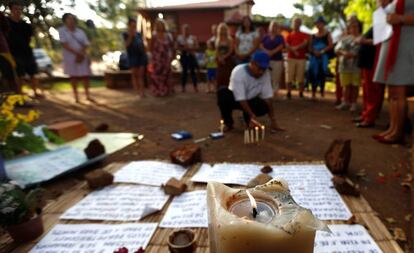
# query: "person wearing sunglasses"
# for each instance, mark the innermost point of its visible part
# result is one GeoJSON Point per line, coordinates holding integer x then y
{"type": "Point", "coordinates": [250, 90]}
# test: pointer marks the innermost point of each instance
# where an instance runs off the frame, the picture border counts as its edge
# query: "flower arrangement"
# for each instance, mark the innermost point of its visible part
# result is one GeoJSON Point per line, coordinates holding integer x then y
{"type": "Point", "coordinates": [16, 134]}
{"type": "Point", "coordinates": [17, 207]}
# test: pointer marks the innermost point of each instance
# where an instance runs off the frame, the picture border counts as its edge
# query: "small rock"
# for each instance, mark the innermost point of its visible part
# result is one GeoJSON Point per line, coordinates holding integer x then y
{"type": "Point", "coordinates": [266, 169]}
{"type": "Point", "coordinates": [95, 148]}
{"type": "Point", "coordinates": [99, 178]}
{"type": "Point", "coordinates": [186, 155]}
{"type": "Point", "coordinates": [338, 156]}
{"type": "Point", "coordinates": [103, 127]}
{"type": "Point", "coordinates": [258, 180]}
{"type": "Point", "coordinates": [399, 235]}
{"type": "Point", "coordinates": [174, 187]}
{"type": "Point", "coordinates": [345, 186]}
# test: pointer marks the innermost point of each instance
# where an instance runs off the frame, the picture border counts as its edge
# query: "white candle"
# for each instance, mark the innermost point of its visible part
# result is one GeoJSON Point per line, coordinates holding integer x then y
{"type": "Point", "coordinates": [221, 126]}
{"type": "Point", "coordinates": [279, 226]}
{"type": "Point", "coordinates": [256, 129]}
{"type": "Point", "coordinates": [246, 136]}
{"type": "Point", "coordinates": [263, 132]}
{"type": "Point", "coordinates": [251, 135]}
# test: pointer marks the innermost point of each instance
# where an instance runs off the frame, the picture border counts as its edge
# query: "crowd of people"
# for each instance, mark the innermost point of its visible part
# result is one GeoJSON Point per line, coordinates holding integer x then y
{"type": "Point", "coordinates": [246, 69]}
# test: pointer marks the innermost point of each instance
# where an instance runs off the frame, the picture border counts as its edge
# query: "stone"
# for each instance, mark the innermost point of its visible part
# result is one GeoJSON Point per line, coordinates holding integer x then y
{"type": "Point", "coordinates": [94, 149]}
{"type": "Point", "coordinates": [186, 155]}
{"type": "Point", "coordinates": [103, 127]}
{"type": "Point", "coordinates": [345, 186]}
{"type": "Point", "coordinates": [266, 169]}
{"type": "Point", "coordinates": [174, 187]}
{"type": "Point", "coordinates": [69, 130]}
{"type": "Point", "coordinates": [338, 156]}
{"type": "Point", "coordinates": [99, 178]}
{"type": "Point", "coordinates": [258, 180]}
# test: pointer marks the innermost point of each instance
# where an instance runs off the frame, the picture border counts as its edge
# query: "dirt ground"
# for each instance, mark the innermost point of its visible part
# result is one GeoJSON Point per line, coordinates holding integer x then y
{"type": "Point", "coordinates": [311, 125]}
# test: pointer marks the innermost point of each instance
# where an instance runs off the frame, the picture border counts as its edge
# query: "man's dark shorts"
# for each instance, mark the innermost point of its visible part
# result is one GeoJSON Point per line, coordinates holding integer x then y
{"type": "Point", "coordinates": [26, 66]}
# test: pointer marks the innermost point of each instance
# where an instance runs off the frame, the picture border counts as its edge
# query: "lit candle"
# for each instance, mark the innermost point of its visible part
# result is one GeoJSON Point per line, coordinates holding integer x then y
{"type": "Point", "coordinates": [267, 221]}
{"type": "Point", "coordinates": [256, 129]}
{"type": "Point", "coordinates": [263, 132]}
{"type": "Point", "coordinates": [251, 135]}
{"type": "Point", "coordinates": [221, 126]}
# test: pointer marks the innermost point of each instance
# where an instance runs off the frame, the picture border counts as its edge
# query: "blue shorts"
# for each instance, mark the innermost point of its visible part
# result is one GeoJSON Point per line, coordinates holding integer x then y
{"type": "Point", "coordinates": [211, 74]}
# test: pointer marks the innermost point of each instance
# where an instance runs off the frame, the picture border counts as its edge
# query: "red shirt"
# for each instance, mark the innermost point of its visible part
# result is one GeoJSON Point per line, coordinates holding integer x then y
{"type": "Point", "coordinates": [295, 39]}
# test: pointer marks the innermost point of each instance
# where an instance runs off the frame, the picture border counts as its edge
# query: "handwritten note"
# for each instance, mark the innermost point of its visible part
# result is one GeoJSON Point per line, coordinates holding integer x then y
{"type": "Point", "coordinates": [310, 185]}
{"type": "Point", "coordinates": [344, 239]}
{"type": "Point", "coordinates": [95, 238]}
{"type": "Point", "coordinates": [187, 210]}
{"type": "Point", "coordinates": [118, 203]}
{"type": "Point", "coordinates": [149, 173]}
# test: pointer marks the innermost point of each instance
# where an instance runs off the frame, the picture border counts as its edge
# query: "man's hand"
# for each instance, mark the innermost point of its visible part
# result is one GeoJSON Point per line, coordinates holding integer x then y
{"type": "Point", "coordinates": [254, 123]}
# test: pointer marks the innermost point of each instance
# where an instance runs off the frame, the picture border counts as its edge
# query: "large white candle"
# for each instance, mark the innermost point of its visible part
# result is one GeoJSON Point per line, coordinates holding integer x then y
{"type": "Point", "coordinates": [279, 225]}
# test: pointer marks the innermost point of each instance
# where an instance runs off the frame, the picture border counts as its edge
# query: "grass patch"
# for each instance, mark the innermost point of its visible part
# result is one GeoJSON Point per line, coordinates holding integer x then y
{"type": "Point", "coordinates": [65, 85]}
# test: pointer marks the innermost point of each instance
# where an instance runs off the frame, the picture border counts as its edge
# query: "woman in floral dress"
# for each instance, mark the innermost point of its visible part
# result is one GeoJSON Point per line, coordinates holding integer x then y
{"type": "Point", "coordinates": [162, 49]}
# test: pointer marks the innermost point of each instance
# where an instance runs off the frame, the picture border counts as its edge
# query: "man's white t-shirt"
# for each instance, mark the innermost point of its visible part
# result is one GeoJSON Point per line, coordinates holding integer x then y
{"type": "Point", "coordinates": [246, 87]}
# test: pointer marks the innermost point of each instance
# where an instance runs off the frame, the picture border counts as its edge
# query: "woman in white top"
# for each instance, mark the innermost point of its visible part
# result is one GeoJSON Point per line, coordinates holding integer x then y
{"type": "Point", "coordinates": [247, 40]}
{"type": "Point", "coordinates": [187, 44]}
{"type": "Point", "coordinates": [76, 63]}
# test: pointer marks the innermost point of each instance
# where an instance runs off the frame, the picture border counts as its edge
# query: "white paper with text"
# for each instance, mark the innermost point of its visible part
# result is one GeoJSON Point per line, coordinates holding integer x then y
{"type": "Point", "coordinates": [345, 239]}
{"type": "Point", "coordinates": [187, 210]}
{"type": "Point", "coordinates": [95, 238]}
{"type": "Point", "coordinates": [118, 203]}
{"type": "Point", "coordinates": [149, 173]}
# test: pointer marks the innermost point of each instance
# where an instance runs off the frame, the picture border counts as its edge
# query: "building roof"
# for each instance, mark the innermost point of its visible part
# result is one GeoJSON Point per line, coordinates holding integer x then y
{"type": "Point", "coordinates": [214, 4]}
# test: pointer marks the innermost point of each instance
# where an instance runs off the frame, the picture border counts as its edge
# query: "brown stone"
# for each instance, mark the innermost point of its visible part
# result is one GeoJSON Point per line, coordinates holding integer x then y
{"type": "Point", "coordinates": [345, 186]}
{"type": "Point", "coordinates": [266, 169]}
{"type": "Point", "coordinates": [338, 156]}
{"type": "Point", "coordinates": [103, 127]}
{"type": "Point", "coordinates": [99, 178]}
{"type": "Point", "coordinates": [69, 130]}
{"type": "Point", "coordinates": [258, 180]}
{"type": "Point", "coordinates": [95, 148]}
{"type": "Point", "coordinates": [186, 155]}
{"type": "Point", "coordinates": [174, 187]}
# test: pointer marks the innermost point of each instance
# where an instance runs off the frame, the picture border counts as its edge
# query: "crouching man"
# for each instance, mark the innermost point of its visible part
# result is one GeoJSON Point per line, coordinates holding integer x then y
{"type": "Point", "coordinates": [250, 90]}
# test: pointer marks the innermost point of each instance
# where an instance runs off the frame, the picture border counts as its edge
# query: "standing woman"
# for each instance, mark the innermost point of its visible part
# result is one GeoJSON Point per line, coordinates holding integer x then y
{"type": "Point", "coordinates": [273, 44]}
{"type": "Point", "coordinates": [76, 63]}
{"type": "Point", "coordinates": [187, 44]}
{"type": "Point", "coordinates": [319, 46]}
{"type": "Point", "coordinates": [247, 41]}
{"type": "Point", "coordinates": [137, 56]}
{"type": "Point", "coordinates": [224, 55]}
{"type": "Point", "coordinates": [396, 68]}
{"type": "Point", "coordinates": [162, 49]}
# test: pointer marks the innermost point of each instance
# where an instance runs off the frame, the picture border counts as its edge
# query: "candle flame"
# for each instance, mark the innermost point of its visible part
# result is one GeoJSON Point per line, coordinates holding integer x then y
{"type": "Point", "coordinates": [257, 128]}
{"type": "Point", "coordinates": [263, 127]}
{"type": "Point", "coordinates": [252, 200]}
{"type": "Point", "coordinates": [221, 121]}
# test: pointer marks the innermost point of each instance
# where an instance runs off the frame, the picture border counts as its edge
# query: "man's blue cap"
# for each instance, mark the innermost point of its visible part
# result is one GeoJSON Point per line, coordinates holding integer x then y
{"type": "Point", "coordinates": [320, 19]}
{"type": "Point", "coordinates": [262, 59]}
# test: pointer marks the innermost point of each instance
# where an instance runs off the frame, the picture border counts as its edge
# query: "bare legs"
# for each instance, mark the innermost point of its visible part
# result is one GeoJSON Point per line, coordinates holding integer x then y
{"type": "Point", "coordinates": [137, 74]}
{"type": "Point", "coordinates": [74, 82]}
{"type": "Point", "coordinates": [398, 111]}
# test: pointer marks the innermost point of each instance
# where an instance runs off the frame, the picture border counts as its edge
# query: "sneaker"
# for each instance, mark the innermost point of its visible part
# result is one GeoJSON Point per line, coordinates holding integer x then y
{"type": "Point", "coordinates": [342, 107]}
{"type": "Point", "coordinates": [353, 108]}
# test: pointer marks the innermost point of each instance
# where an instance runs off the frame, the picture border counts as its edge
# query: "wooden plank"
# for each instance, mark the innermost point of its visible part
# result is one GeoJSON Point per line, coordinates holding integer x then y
{"type": "Point", "coordinates": [375, 226]}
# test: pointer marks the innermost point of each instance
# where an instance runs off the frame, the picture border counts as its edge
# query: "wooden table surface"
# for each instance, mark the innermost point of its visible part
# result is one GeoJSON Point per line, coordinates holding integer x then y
{"type": "Point", "coordinates": [361, 210]}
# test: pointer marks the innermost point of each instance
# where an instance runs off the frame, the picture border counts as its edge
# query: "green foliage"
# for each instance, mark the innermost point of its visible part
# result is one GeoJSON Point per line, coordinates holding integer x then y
{"type": "Point", "coordinates": [16, 207]}
{"type": "Point", "coordinates": [363, 9]}
{"type": "Point", "coordinates": [22, 140]}
{"type": "Point", "coordinates": [52, 137]}
{"type": "Point", "coordinates": [331, 10]}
